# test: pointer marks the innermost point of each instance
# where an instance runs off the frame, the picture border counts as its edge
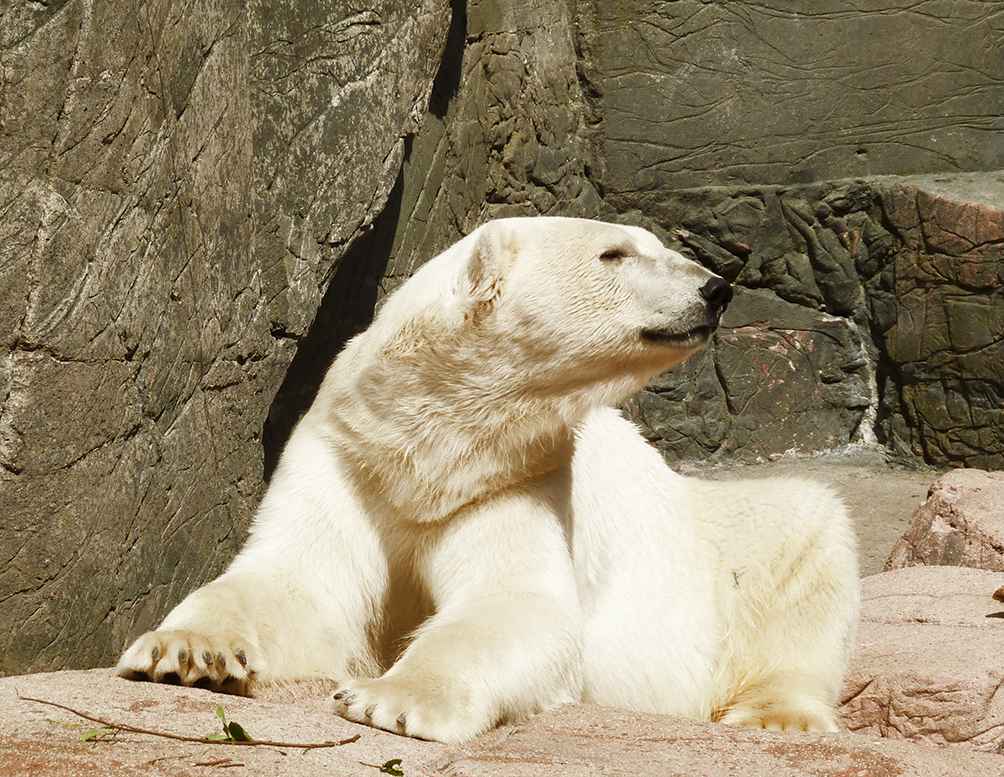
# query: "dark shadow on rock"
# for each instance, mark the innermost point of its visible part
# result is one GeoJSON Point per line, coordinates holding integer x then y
{"type": "Point", "coordinates": [447, 82]}
{"type": "Point", "coordinates": [350, 300]}
{"type": "Point", "coordinates": [346, 309]}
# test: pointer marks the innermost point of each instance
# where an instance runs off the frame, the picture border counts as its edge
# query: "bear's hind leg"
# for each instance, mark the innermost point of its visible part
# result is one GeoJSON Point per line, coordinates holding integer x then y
{"type": "Point", "coordinates": [788, 592]}
{"type": "Point", "coordinates": [782, 702]}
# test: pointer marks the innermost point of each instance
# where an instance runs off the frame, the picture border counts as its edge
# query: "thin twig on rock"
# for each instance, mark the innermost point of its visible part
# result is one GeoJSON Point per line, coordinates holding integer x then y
{"type": "Point", "coordinates": [180, 738]}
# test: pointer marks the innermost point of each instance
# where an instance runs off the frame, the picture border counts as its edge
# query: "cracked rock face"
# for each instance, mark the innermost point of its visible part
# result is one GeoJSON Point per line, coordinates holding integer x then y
{"type": "Point", "coordinates": [927, 666]}
{"type": "Point", "coordinates": [702, 94]}
{"type": "Point", "coordinates": [946, 343]}
{"type": "Point", "coordinates": [866, 311]}
{"type": "Point", "coordinates": [178, 183]}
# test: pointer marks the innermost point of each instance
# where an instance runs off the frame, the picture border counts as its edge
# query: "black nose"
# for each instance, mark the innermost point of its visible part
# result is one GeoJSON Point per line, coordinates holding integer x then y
{"type": "Point", "coordinates": [718, 292]}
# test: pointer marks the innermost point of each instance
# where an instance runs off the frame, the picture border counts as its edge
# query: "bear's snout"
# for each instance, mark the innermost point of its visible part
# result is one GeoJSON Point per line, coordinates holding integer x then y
{"type": "Point", "coordinates": [718, 294]}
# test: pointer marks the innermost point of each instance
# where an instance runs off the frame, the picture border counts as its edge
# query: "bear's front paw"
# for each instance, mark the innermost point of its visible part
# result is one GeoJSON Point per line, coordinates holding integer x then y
{"type": "Point", "coordinates": [192, 659]}
{"type": "Point", "coordinates": [408, 708]}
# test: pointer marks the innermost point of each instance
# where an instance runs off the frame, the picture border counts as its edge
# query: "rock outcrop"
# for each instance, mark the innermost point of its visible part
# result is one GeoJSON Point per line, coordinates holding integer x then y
{"type": "Point", "coordinates": [178, 185]}
{"type": "Point", "coordinates": [961, 523]}
{"type": "Point", "coordinates": [848, 326]}
{"type": "Point", "coordinates": [927, 666]}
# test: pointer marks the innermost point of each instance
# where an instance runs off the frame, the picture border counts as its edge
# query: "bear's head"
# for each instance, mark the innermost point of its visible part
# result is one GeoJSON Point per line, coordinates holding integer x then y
{"type": "Point", "coordinates": [579, 300]}
{"type": "Point", "coordinates": [551, 305]}
{"type": "Point", "coordinates": [477, 370]}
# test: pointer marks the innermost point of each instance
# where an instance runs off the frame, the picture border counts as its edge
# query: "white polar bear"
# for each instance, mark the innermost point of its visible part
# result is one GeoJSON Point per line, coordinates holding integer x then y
{"type": "Point", "coordinates": [461, 531]}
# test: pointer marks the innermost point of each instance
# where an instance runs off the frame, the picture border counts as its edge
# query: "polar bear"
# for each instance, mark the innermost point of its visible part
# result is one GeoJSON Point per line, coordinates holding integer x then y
{"type": "Point", "coordinates": [461, 531]}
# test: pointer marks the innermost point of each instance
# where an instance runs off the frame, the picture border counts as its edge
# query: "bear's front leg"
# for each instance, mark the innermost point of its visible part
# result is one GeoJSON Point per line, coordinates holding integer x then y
{"type": "Point", "coordinates": [505, 640]}
{"type": "Point", "coordinates": [299, 600]}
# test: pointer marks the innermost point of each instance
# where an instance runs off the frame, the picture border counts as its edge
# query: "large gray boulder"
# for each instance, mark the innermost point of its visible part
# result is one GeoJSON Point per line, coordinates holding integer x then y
{"type": "Point", "coordinates": [177, 187]}
{"type": "Point", "coordinates": [858, 318]}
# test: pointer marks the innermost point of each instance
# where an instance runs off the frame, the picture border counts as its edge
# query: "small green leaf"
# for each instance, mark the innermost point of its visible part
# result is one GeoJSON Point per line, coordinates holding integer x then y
{"type": "Point", "coordinates": [393, 767]}
{"type": "Point", "coordinates": [93, 733]}
{"type": "Point", "coordinates": [232, 732]}
{"type": "Point", "coordinates": [237, 733]}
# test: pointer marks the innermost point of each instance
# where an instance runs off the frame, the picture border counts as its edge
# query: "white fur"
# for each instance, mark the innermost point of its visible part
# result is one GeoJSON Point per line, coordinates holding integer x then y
{"type": "Point", "coordinates": [462, 532]}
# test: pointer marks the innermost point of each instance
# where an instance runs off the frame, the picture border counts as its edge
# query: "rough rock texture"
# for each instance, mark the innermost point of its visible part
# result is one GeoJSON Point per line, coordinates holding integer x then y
{"type": "Point", "coordinates": [960, 524]}
{"type": "Point", "coordinates": [177, 184]}
{"type": "Point", "coordinates": [849, 324]}
{"type": "Point", "coordinates": [741, 123]}
{"type": "Point", "coordinates": [928, 663]}
{"type": "Point", "coordinates": [712, 93]}
{"type": "Point", "coordinates": [572, 740]}
{"type": "Point", "coordinates": [945, 347]}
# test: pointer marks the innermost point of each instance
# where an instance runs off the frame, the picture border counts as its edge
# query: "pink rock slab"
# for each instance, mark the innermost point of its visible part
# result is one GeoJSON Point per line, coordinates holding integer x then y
{"type": "Point", "coordinates": [36, 739]}
{"type": "Point", "coordinates": [930, 658]}
{"type": "Point", "coordinates": [961, 523]}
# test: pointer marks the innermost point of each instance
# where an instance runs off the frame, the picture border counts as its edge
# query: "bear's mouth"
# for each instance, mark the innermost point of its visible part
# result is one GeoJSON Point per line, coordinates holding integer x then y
{"type": "Point", "coordinates": [693, 337]}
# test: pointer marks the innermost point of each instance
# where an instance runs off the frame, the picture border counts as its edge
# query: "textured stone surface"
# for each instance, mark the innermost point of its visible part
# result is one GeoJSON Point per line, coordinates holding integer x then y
{"type": "Point", "coordinates": [177, 184]}
{"type": "Point", "coordinates": [927, 666]}
{"type": "Point", "coordinates": [741, 124]}
{"type": "Point", "coordinates": [849, 325]}
{"type": "Point", "coordinates": [572, 740]}
{"type": "Point", "coordinates": [960, 524]}
{"type": "Point", "coordinates": [946, 343]}
{"type": "Point", "coordinates": [698, 93]}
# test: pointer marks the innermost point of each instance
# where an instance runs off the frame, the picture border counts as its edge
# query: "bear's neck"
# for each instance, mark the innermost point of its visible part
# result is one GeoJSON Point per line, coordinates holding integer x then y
{"type": "Point", "coordinates": [433, 440]}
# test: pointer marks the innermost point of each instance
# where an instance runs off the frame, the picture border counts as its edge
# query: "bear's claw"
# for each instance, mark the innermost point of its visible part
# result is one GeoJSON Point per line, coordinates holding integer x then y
{"type": "Point", "coordinates": [190, 659]}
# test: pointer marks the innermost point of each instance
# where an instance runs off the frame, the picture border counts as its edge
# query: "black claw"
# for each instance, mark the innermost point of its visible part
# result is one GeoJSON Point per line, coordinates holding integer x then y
{"type": "Point", "coordinates": [221, 659]}
{"type": "Point", "coordinates": [207, 658]}
{"type": "Point", "coordinates": [183, 656]}
{"type": "Point", "coordinates": [242, 657]}
{"type": "Point", "coordinates": [339, 695]}
{"type": "Point", "coordinates": [370, 710]}
{"type": "Point", "coordinates": [402, 719]}
{"type": "Point", "coordinates": [155, 653]}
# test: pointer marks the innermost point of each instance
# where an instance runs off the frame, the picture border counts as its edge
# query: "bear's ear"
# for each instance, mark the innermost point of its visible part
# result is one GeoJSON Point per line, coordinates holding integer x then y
{"type": "Point", "coordinates": [493, 250]}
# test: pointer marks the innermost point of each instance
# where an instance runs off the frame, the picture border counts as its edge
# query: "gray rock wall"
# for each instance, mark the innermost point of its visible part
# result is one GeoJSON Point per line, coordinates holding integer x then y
{"type": "Point", "coordinates": [177, 184]}
{"type": "Point", "coordinates": [700, 93]}
{"type": "Point", "coordinates": [867, 311]}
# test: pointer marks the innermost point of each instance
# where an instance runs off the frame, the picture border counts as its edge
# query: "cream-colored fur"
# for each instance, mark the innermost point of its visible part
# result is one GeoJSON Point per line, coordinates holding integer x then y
{"type": "Point", "coordinates": [462, 532]}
